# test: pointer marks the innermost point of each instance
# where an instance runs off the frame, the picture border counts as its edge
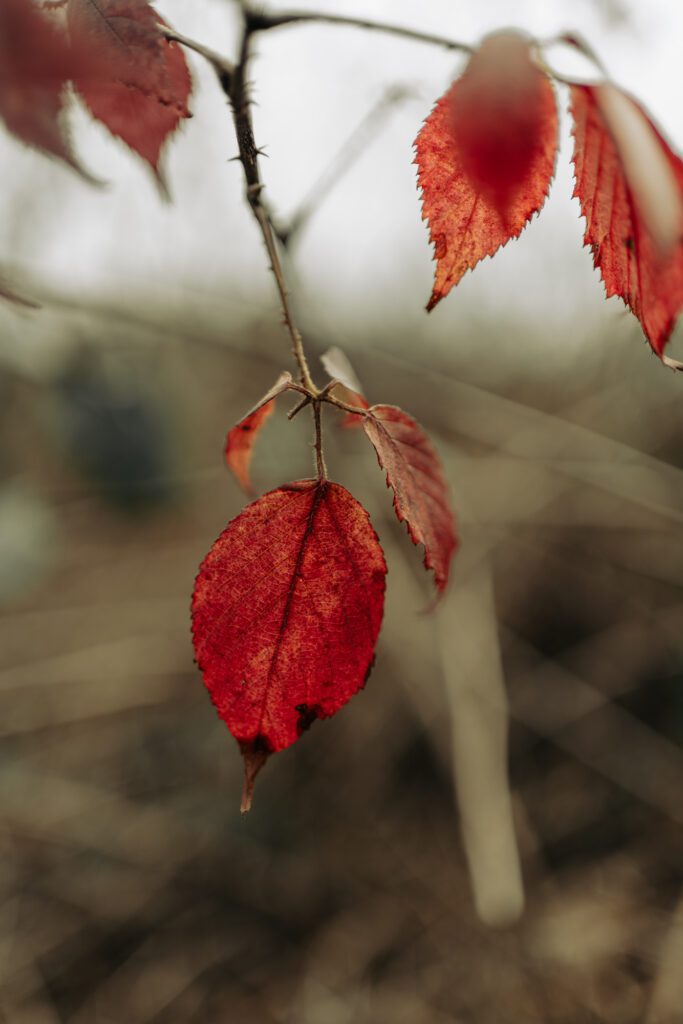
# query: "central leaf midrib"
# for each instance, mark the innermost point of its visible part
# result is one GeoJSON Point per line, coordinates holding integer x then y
{"type": "Point", "coordinates": [108, 25]}
{"type": "Point", "coordinates": [320, 488]}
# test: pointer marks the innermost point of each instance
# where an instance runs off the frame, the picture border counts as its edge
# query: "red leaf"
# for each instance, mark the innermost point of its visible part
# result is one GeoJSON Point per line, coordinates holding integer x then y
{"type": "Point", "coordinates": [486, 156]}
{"type": "Point", "coordinates": [286, 612]}
{"type": "Point", "coordinates": [349, 390]}
{"type": "Point", "coordinates": [240, 441]}
{"type": "Point", "coordinates": [632, 262]}
{"type": "Point", "coordinates": [415, 474]}
{"type": "Point", "coordinates": [36, 62]}
{"type": "Point", "coordinates": [143, 85]}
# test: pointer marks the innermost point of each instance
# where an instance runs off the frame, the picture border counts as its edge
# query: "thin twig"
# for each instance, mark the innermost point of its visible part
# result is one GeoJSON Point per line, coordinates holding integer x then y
{"type": "Point", "coordinates": [357, 410]}
{"type": "Point", "coordinates": [342, 160]}
{"type": "Point", "coordinates": [576, 41]}
{"type": "Point", "coordinates": [262, 22]}
{"type": "Point", "coordinates": [222, 67]}
{"type": "Point", "coordinates": [328, 387]}
{"type": "Point", "coordinates": [233, 80]}
{"type": "Point", "coordinates": [248, 151]}
{"type": "Point", "coordinates": [298, 407]}
{"type": "Point", "coordinates": [319, 458]}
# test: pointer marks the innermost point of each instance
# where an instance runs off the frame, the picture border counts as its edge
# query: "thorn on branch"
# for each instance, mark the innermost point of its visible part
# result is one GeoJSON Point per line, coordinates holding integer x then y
{"type": "Point", "coordinates": [233, 80]}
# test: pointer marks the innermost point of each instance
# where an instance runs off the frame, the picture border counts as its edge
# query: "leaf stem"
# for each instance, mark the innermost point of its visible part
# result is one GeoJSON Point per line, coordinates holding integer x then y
{"type": "Point", "coordinates": [321, 468]}
{"type": "Point", "coordinates": [220, 65]}
{"type": "Point", "coordinates": [357, 410]}
{"type": "Point", "coordinates": [576, 41]}
{"type": "Point", "coordinates": [298, 407]}
{"type": "Point", "coordinates": [233, 81]}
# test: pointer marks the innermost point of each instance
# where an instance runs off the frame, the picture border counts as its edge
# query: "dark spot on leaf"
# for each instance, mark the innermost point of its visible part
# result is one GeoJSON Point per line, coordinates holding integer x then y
{"type": "Point", "coordinates": [307, 716]}
{"type": "Point", "coordinates": [630, 244]}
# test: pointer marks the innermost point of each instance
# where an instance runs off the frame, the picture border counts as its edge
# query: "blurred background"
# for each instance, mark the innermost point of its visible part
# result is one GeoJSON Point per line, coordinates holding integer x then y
{"type": "Point", "coordinates": [492, 831]}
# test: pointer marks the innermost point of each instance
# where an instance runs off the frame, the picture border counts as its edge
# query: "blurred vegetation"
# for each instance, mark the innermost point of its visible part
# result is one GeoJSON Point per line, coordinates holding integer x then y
{"type": "Point", "coordinates": [358, 889]}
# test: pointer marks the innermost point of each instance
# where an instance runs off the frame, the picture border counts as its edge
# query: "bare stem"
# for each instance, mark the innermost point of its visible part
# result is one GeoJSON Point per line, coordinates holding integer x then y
{"type": "Point", "coordinates": [322, 395]}
{"type": "Point", "coordinates": [357, 410]}
{"type": "Point", "coordinates": [578, 43]}
{"type": "Point", "coordinates": [261, 22]}
{"type": "Point", "coordinates": [248, 152]}
{"type": "Point", "coordinates": [318, 444]}
{"type": "Point", "coordinates": [221, 66]}
{"type": "Point", "coordinates": [233, 80]}
{"type": "Point", "coordinates": [298, 407]}
{"type": "Point", "coordinates": [354, 145]}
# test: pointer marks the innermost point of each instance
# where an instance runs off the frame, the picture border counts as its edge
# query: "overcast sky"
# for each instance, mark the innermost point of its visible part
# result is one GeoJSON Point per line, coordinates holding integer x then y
{"type": "Point", "coordinates": [367, 248]}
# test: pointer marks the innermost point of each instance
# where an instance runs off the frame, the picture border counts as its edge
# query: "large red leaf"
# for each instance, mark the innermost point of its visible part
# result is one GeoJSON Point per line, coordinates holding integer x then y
{"type": "Point", "coordinates": [286, 612]}
{"type": "Point", "coordinates": [415, 474]}
{"type": "Point", "coordinates": [144, 85]}
{"type": "Point", "coordinates": [631, 263]}
{"type": "Point", "coordinates": [239, 444]}
{"type": "Point", "coordinates": [486, 156]}
{"type": "Point", "coordinates": [36, 62]}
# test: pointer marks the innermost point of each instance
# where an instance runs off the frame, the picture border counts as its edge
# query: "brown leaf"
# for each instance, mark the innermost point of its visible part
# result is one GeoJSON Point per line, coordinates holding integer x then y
{"type": "Point", "coordinates": [415, 474]}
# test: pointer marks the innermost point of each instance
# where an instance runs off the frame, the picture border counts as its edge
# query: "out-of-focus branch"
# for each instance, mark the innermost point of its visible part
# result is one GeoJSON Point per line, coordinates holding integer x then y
{"type": "Point", "coordinates": [262, 21]}
{"type": "Point", "coordinates": [341, 162]}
